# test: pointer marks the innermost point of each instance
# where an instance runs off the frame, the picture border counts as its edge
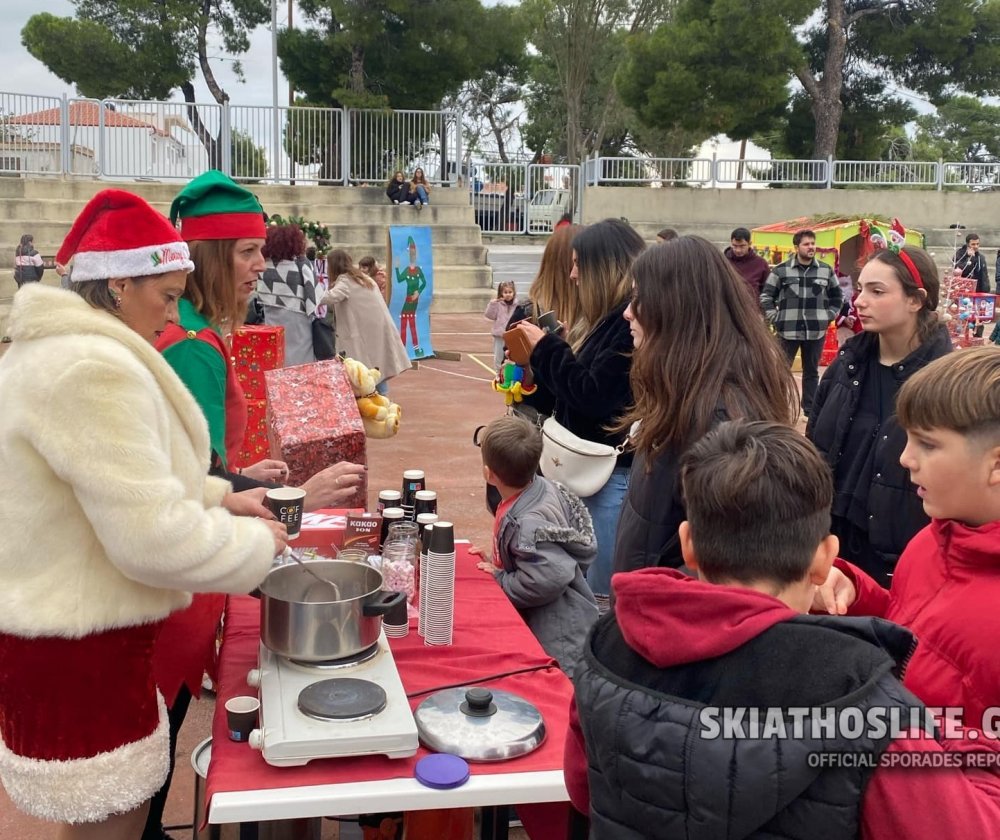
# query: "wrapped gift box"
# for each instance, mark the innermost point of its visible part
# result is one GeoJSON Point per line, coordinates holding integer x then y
{"type": "Point", "coordinates": [257, 349]}
{"type": "Point", "coordinates": [323, 529]}
{"type": "Point", "coordinates": [256, 445]}
{"type": "Point", "coordinates": [313, 421]}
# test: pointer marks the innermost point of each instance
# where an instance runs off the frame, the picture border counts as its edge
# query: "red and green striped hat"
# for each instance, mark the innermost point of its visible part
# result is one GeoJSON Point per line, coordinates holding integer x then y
{"type": "Point", "coordinates": [214, 206]}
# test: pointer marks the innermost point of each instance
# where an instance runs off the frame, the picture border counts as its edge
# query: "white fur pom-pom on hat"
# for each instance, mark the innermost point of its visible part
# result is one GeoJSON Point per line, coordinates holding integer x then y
{"type": "Point", "coordinates": [118, 234]}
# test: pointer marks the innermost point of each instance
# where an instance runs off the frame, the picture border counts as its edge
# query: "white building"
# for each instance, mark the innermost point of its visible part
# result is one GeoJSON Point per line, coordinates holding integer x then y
{"type": "Point", "coordinates": [154, 143]}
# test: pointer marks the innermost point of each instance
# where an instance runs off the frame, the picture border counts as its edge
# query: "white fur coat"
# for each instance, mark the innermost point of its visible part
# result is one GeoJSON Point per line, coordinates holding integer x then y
{"type": "Point", "coordinates": [108, 514]}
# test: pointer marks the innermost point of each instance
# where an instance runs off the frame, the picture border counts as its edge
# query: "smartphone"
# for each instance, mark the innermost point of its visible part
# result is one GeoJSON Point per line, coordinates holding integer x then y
{"type": "Point", "coordinates": [548, 322]}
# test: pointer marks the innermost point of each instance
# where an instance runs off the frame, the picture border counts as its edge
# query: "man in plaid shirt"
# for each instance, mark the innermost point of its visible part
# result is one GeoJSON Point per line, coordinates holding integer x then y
{"type": "Point", "coordinates": [800, 298]}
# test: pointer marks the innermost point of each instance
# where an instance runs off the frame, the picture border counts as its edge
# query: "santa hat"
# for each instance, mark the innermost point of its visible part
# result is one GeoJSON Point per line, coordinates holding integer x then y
{"type": "Point", "coordinates": [214, 206]}
{"type": "Point", "coordinates": [119, 235]}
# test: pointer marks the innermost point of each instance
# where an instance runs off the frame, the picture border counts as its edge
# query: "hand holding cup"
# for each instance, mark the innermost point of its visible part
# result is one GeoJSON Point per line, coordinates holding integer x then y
{"type": "Point", "coordinates": [247, 503]}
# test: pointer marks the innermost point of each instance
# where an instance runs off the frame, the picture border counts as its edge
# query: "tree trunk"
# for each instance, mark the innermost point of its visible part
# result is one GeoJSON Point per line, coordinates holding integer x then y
{"type": "Point", "coordinates": [218, 94]}
{"type": "Point", "coordinates": [824, 93]}
{"type": "Point", "coordinates": [210, 142]}
{"type": "Point", "coordinates": [357, 76]}
{"type": "Point", "coordinates": [827, 113]}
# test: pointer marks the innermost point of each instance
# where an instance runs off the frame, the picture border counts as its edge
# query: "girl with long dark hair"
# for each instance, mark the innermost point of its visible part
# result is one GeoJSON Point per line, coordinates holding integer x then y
{"type": "Point", "coordinates": [702, 355]}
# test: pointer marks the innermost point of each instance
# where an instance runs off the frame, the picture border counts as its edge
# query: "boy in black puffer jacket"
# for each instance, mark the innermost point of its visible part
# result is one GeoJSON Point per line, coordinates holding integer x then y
{"type": "Point", "coordinates": [662, 742]}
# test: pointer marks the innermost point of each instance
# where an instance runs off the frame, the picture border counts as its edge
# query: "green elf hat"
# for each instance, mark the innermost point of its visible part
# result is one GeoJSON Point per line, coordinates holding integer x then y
{"type": "Point", "coordinates": [411, 244]}
{"type": "Point", "coordinates": [214, 206]}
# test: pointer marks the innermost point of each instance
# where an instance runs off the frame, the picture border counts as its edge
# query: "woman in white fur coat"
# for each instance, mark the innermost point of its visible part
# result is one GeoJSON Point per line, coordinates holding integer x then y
{"type": "Point", "coordinates": [109, 519]}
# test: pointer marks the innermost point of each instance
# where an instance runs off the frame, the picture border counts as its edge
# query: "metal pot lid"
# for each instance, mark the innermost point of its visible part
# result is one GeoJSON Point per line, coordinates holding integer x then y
{"type": "Point", "coordinates": [479, 724]}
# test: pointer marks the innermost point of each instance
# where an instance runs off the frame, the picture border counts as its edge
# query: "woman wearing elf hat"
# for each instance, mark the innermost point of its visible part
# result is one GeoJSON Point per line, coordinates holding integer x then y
{"type": "Point", "coordinates": [109, 520]}
{"type": "Point", "coordinates": [224, 226]}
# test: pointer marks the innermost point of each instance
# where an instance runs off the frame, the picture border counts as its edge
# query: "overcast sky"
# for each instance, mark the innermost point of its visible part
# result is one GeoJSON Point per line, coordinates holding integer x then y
{"type": "Point", "coordinates": [25, 74]}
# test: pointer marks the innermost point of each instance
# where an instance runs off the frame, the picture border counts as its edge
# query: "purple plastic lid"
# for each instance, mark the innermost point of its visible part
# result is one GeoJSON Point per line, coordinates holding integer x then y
{"type": "Point", "coordinates": [442, 771]}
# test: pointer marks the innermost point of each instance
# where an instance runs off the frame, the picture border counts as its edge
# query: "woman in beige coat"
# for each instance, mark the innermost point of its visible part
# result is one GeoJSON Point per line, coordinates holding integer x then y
{"type": "Point", "coordinates": [365, 329]}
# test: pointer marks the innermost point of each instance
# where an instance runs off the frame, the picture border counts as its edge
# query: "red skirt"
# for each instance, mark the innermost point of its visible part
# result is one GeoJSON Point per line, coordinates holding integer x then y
{"type": "Point", "coordinates": [83, 728]}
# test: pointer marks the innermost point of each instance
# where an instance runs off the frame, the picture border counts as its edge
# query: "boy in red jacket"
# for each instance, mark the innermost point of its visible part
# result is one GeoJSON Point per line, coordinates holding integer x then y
{"type": "Point", "coordinates": [716, 707]}
{"type": "Point", "coordinates": [946, 588]}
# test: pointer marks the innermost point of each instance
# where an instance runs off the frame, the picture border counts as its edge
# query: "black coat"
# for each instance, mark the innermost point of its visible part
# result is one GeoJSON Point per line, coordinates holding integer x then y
{"type": "Point", "coordinates": [895, 512]}
{"type": "Point", "coordinates": [652, 512]}
{"type": "Point", "coordinates": [654, 774]}
{"type": "Point", "coordinates": [591, 387]}
{"type": "Point", "coordinates": [973, 266]}
{"type": "Point", "coordinates": [397, 191]}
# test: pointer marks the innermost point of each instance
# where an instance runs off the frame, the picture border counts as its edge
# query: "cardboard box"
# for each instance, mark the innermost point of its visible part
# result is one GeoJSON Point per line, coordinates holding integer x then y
{"type": "Point", "coordinates": [257, 349]}
{"type": "Point", "coordinates": [313, 422]}
{"type": "Point", "coordinates": [324, 529]}
{"type": "Point", "coordinates": [256, 445]}
{"type": "Point", "coordinates": [363, 531]}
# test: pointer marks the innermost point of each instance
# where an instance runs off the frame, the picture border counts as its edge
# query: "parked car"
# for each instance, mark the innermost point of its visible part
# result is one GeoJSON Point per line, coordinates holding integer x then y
{"type": "Point", "coordinates": [496, 210]}
{"type": "Point", "coordinates": [546, 208]}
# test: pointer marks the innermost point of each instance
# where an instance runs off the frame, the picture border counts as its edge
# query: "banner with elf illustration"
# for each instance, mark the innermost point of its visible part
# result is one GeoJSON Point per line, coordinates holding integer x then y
{"type": "Point", "coordinates": [410, 277]}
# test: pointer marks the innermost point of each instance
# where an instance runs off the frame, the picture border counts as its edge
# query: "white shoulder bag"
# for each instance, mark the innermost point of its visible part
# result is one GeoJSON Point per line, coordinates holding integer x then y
{"type": "Point", "coordinates": [583, 466]}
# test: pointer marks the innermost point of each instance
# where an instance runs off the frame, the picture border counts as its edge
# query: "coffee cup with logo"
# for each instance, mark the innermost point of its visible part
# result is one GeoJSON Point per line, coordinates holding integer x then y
{"type": "Point", "coordinates": [286, 504]}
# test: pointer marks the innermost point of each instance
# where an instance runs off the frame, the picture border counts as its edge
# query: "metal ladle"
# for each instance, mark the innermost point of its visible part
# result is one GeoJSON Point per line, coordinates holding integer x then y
{"type": "Point", "coordinates": [325, 581]}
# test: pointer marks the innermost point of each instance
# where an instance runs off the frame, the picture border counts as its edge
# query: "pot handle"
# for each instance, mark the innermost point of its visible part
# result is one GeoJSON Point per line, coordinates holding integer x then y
{"type": "Point", "coordinates": [383, 602]}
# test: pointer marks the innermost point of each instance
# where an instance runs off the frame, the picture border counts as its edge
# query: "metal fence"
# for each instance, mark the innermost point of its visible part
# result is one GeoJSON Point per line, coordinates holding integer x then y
{"type": "Point", "coordinates": [650, 171]}
{"type": "Point", "coordinates": [383, 141]}
{"type": "Point", "coordinates": [978, 177]}
{"type": "Point", "coordinates": [886, 173]}
{"type": "Point", "coordinates": [829, 173]}
{"type": "Point", "coordinates": [117, 138]}
{"type": "Point", "coordinates": [804, 172]}
{"type": "Point", "coordinates": [523, 197]}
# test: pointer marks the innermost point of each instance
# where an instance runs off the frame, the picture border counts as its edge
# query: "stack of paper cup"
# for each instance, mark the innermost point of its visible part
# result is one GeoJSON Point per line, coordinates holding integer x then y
{"type": "Point", "coordinates": [437, 589]}
{"type": "Point", "coordinates": [425, 542]}
{"type": "Point", "coordinates": [396, 622]}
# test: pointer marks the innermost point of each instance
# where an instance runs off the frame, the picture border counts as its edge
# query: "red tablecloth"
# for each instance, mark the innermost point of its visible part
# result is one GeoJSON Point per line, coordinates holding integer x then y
{"type": "Point", "coordinates": [489, 638]}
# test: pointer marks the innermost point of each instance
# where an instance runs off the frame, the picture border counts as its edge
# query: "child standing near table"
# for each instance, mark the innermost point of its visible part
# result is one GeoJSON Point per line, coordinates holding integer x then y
{"type": "Point", "coordinates": [543, 542]}
{"type": "Point", "coordinates": [499, 311]}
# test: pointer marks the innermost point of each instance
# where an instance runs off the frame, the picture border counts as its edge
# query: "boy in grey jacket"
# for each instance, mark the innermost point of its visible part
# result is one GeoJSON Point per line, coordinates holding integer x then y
{"type": "Point", "coordinates": [543, 542]}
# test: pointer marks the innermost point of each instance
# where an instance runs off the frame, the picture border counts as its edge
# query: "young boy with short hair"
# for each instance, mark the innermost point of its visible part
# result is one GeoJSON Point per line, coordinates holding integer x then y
{"type": "Point", "coordinates": [662, 742]}
{"type": "Point", "coordinates": [946, 589]}
{"type": "Point", "coordinates": [543, 542]}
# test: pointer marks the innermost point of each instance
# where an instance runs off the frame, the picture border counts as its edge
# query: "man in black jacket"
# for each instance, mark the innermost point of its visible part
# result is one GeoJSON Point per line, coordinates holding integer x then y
{"type": "Point", "coordinates": [972, 263]}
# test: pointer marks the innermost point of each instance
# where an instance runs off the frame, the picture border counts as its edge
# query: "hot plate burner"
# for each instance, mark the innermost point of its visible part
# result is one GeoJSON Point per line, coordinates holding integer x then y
{"type": "Point", "coordinates": [342, 698]}
{"type": "Point", "coordinates": [345, 662]}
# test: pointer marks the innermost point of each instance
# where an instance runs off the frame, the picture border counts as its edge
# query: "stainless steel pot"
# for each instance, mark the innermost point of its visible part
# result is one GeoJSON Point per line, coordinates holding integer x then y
{"type": "Point", "coordinates": [302, 618]}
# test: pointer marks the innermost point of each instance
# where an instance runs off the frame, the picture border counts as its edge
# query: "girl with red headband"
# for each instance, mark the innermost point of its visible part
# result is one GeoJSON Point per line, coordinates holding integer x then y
{"type": "Point", "coordinates": [876, 509]}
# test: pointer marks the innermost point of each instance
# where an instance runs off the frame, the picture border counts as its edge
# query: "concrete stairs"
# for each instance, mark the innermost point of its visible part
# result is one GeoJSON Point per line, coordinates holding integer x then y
{"type": "Point", "coordinates": [357, 217]}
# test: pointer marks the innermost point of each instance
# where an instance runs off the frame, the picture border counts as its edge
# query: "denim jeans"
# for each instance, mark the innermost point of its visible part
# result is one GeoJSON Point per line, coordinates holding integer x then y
{"type": "Point", "coordinates": [422, 194]}
{"type": "Point", "coordinates": [605, 506]}
{"type": "Point", "coordinates": [383, 388]}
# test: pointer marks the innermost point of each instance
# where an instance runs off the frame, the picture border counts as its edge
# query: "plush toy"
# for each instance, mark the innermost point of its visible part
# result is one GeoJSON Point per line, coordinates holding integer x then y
{"type": "Point", "coordinates": [510, 383]}
{"type": "Point", "coordinates": [379, 415]}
